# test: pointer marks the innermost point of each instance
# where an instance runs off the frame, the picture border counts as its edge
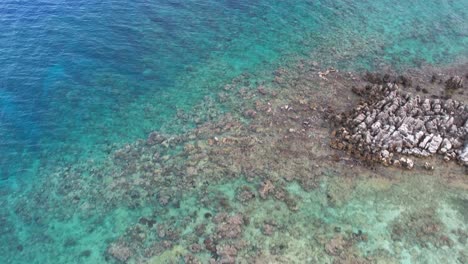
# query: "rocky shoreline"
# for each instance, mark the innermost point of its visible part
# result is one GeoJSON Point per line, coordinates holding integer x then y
{"type": "Point", "coordinates": [390, 122]}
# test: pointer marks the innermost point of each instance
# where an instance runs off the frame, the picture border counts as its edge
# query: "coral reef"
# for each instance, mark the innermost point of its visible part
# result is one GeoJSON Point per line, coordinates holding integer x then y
{"type": "Point", "coordinates": [119, 251]}
{"type": "Point", "coordinates": [228, 226]}
{"type": "Point", "coordinates": [422, 228]}
{"type": "Point", "coordinates": [261, 183]}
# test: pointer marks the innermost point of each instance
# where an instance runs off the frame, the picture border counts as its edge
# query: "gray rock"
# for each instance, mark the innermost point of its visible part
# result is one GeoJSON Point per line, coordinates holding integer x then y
{"type": "Point", "coordinates": [445, 146]}
{"type": "Point", "coordinates": [454, 82]}
{"type": "Point", "coordinates": [463, 155]}
{"type": "Point", "coordinates": [434, 144]}
{"type": "Point", "coordinates": [406, 163]}
{"type": "Point", "coordinates": [393, 122]}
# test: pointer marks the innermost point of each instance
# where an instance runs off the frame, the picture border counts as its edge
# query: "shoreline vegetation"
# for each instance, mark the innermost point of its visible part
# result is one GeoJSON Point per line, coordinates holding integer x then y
{"type": "Point", "coordinates": [286, 176]}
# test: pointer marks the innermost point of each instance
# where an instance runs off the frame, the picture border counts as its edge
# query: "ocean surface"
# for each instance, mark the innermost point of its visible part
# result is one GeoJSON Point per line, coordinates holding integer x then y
{"type": "Point", "coordinates": [79, 79]}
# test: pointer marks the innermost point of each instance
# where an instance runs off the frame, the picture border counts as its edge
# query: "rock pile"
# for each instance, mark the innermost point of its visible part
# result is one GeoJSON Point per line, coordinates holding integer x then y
{"type": "Point", "coordinates": [390, 122]}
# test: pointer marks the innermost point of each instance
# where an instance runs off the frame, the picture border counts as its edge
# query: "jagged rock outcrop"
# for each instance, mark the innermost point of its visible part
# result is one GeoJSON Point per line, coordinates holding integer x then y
{"type": "Point", "coordinates": [455, 82]}
{"type": "Point", "coordinates": [390, 122]}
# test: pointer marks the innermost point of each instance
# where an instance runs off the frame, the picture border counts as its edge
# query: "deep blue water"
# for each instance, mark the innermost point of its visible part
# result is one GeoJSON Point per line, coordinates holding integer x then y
{"type": "Point", "coordinates": [52, 52]}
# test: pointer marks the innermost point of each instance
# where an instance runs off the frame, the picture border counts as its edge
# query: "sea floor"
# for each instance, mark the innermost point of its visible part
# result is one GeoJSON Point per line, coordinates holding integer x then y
{"type": "Point", "coordinates": [163, 139]}
{"type": "Point", "coordinates": [258, 184]}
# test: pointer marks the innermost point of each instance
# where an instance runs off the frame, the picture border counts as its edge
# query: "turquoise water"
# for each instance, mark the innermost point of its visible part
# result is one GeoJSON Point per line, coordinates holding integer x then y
{"type": "Point", "coordinates": [81, 78]}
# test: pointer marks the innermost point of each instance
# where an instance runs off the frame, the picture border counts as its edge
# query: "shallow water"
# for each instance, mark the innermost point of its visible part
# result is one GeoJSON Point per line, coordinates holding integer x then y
{"type": "Point", "coordinates": [79, 76]}
{"type": "Point", "coordinates": [80, 79]}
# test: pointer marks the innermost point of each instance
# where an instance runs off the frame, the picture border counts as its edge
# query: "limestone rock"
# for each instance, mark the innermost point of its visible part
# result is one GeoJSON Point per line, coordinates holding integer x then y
{"type": "Point", "coordinates": [463, 156]}
{"type": "Point", "coordinates": [406, 163]}
{"type": "Point", "coordinates": [390, 121]}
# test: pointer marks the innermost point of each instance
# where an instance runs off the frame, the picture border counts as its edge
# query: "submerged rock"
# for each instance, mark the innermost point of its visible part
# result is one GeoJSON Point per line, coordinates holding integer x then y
{"type": "Point", "coordinates": [463, 154]}
{"type": "Point", "coordinates": [119, 251]}
{"type": "Point", "coordinates": [228, 226]}
{"type": "Point", "coordinates": [406, 163]}
{"type": "Point", "coordinates": [455, 82]}
{"type": "Point", "coordinates": [266, 188]}
{"type": "Point", "coordinates": [428, 166]}
{"type": "Point", "coordinates": [336, 245]}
